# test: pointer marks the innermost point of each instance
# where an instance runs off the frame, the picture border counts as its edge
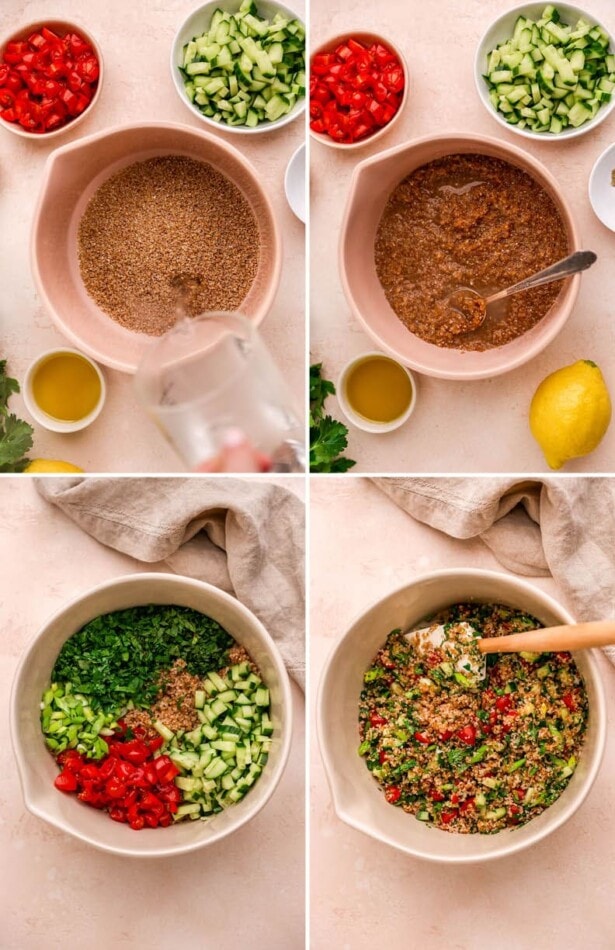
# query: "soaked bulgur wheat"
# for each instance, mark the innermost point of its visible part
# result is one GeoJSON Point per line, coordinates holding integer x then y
{"type": "Point", "coordinates": [165, 232]}
{"type": "Point", "coordinates": [478, 758]}
{"type": "Point", "coordinates": [468, 221]}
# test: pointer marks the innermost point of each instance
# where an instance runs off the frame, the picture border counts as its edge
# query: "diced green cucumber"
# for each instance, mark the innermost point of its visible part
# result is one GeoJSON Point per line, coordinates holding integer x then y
{"type": "Point", "coordinates": [245, 54]}
{"type": "Point", "coordinates": [564, 63]}
{"type": "Point", "coordinates": [224, 756]}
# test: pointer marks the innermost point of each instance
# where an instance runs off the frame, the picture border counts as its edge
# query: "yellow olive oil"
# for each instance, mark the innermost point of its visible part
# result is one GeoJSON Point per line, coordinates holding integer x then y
{"type": "Point", "coordinates": [66, 387]}
{"type": "Point", "coordinates": [378, 389]}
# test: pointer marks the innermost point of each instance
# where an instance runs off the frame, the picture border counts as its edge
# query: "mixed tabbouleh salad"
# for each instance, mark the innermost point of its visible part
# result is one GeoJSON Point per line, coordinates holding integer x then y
{"type": "Point", "coordinates": [155, 714]}
{"type": "Point", "coordinates": [465, 754]}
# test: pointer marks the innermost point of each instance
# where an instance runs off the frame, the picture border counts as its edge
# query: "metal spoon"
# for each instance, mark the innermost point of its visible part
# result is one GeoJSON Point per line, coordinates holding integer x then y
{"type": "Point", "coordinates": [577, 636]}
{"type": "Point", "coordinates": [472, 306]}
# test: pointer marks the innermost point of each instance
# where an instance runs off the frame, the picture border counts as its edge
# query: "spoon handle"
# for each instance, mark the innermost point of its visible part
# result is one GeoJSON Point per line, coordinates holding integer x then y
{"type": "Point", "coordinates": [576, 636]}
{"type": "Point", "coordinates": [572, 264]}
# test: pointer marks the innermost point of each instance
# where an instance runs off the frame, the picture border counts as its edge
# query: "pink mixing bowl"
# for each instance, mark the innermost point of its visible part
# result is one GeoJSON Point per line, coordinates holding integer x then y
{"type": "Point", "coordinates": [71, 176]}
{"type": "Point", "coordinates": [372, 182]}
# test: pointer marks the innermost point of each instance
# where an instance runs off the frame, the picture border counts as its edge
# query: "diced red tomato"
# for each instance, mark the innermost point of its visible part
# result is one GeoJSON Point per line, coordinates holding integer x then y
{"type": "Point", "coordinates": [376, 720]}
{"type": "Point", "coordinates": [503, 702]}
{"type": "Point", "coordinates": [422, 737]}
{"type": "Point", "coordinates": [382, 757]}
{"type": "Point", "coordinates": [392, 794]}
{"type": "Point", "coordinates": [59, 76]}
{"type": "Point", "coordinates": [446, 734]}
{"type": "Point", "coordinates": [466, 806]}
{"type": "Point", "coordinates": [129, 783]}
{"type": "Point", "coordinates": [362, 86]}
{"type": "Point", "coordinates": [467, 735]}
{"type": "Point", "coordinates": [448, 816]}
{"type": "Point", "coordinates": [66, 781]}
{"type": "Point", "coordinates": [569, 701]}
{"type": "Point", "coordinates": [436, 795]}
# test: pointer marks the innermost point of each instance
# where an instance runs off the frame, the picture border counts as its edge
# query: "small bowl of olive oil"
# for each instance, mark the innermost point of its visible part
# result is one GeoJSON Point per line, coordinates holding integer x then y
{"type": "Point", "coordinates": [376, 393]}
{"type": "Point", "coordinates": [64, 390]}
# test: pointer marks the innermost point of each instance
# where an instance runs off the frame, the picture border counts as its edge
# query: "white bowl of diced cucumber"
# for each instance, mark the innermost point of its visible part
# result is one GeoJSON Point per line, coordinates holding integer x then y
{"type": "Point", "coordinates": [546, 71]}
{"type": "Point", "coordinates": [239, 65]}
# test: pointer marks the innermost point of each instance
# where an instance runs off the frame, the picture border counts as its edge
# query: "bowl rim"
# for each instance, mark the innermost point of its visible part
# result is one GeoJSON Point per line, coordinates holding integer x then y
{"type": "Point", "coordinates": [24, 32]}
{"type": "Point", "coordinates": [125, 580]}
{"type": "Point", "coordinates": [368, 425]}
{"type": "Point", "coordinates": [507, 151]}
{"type": "Point", "coordinates": [287, 173]}
{"type": "Point", "coordinates": [330, 769]}
{"type": "Point", "coordinates": [591, 183]}
{"type": "Point", "coordinates": [601, 114]}
{"type": "Point", "coordinates": [83, 142]}
{"type": "Point", "coordinates": [263, 127]}
{"type": "Point", "coordinates": [50, 422]}
{"type": "Point", "coordinates": [331, 43]}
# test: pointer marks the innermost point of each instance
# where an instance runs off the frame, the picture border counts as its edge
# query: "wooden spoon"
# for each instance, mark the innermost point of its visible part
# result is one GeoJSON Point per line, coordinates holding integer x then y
{"type": "Point", "coordinates": [576, 636]}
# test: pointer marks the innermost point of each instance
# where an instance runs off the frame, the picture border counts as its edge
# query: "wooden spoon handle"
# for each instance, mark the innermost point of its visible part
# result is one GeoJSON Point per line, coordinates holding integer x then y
{"type": "Point", "coordinates": [578, 636]}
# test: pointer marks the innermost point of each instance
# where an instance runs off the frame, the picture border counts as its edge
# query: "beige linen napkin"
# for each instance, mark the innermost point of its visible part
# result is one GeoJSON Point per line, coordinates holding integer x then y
{"type": "Point", "coordinates": [562, 526]}
{"type": "Point", "coordinates": [246, 537]}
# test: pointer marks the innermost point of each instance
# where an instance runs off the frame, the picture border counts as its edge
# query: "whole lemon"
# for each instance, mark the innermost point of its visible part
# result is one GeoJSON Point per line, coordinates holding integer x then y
{"type": "Point", "coordinates": [47, 466]}
{"type": "Point", "coordinates": [570, 412]}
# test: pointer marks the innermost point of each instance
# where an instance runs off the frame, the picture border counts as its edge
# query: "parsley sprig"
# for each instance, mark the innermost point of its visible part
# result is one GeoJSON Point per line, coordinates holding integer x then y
{"type": "Point", "coordinates": [328, 437]}
{"type": "Point", "coordinates": [15, 434]}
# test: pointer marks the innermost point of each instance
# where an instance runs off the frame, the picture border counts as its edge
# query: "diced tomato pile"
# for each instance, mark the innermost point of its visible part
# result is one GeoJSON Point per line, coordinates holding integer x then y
{"type": "Point", "coordinates": [47, 80]}
{"type": "Point", "coordinates": [355, 90]}
{"type": "Point", "coordinates": [132, 785]}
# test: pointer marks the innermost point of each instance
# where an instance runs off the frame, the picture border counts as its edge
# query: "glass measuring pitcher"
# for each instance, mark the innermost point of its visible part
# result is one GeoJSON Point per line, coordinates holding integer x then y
{"type": "Point", "coordinates": [212, 376]}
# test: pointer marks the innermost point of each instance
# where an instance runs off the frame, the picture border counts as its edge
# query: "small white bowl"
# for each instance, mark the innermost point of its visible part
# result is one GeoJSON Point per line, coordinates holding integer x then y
{"type": "Point", "coordinates": [498, 32]}
{"type": "Point", "coordinates": [195, 24]}
{"type": "Point", "coordinates": [361, 422]}
{"type": "Point", "coordinates": [62, 27]}
{"type": "Point", "coordinates": [602, 189]}
{"type": "Point", "coordinates": [368, 38]}
{"type": "Point", "coordinates": [43, 418]}
{"type": "Point", "coordinates": [356, 796]}
{"type": "Point", "coordinates": [37, 768]}
{"type": "Point", "coordinates": [294, 182]}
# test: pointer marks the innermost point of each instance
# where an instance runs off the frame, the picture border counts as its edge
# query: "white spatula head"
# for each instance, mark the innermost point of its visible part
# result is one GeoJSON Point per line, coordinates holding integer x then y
{"type": "Point", "coordinates": [456, 642]}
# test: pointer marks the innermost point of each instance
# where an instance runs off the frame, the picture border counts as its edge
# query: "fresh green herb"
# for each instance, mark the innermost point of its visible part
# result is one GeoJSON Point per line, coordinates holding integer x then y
{"type": "Point", "coordinates": [455, 757]}
{"type": "Point", "coordinates": [120, 655]}
{"type": "Point", "coordinates": [15, 434]}
{"type": "Point", "coordinates": [478, 756]}
{"type": "Point", "coordinates": [328, 437]}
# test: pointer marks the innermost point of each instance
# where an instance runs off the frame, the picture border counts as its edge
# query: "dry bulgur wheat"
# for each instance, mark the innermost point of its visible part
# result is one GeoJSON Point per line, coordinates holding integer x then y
{"type": "Point", "coordinates": [166, 236]}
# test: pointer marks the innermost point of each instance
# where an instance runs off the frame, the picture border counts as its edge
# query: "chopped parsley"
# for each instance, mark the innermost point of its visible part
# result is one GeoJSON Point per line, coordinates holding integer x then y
{"type": "Point", "coordinates": [120, 655]}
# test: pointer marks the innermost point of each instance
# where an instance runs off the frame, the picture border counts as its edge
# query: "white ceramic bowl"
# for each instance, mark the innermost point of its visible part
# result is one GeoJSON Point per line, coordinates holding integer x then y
{"type": "Point", "coordinates": [195, 24]}
{"type": "Point", "coordinates": [295, 183]}
{"type": "Point", "coordinates": [368, 38]}
{"type": "Point", "coordinates": [498, 32]}
{"type": "Point", "coordinates": [602, 189]}
{"type": "Point", "coordinates": [37, 768]}
{"type": "Point", "coordinates": [356, 795]}
{"type": "Point", "coordinates": [61, 27]}
{"type": "Point", "coordinates": [360, 421]}
{"type": "Point", "coordinates": [50, 422]}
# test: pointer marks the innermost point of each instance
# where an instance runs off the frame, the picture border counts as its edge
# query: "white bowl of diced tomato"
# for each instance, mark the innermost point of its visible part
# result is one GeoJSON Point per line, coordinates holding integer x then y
{"type": "Point", "coordinates": [51, 75]}
{"type": "Point", "coordinates": [358, 88]}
